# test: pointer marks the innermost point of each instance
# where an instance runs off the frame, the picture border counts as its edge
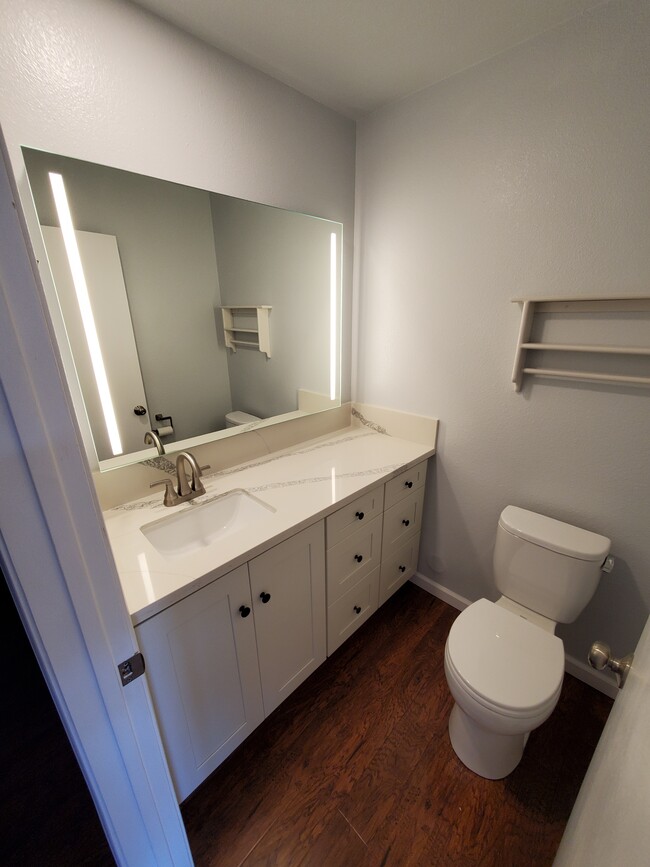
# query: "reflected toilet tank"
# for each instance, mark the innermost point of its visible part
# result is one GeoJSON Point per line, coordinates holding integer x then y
{"type": "Point", "coordinates": [237, 417]}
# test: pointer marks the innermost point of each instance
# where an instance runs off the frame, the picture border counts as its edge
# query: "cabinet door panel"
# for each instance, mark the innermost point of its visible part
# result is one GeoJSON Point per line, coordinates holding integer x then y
{"type": "Point", "coordinates": [398, 567]}
{"type": "Point", "coordinates": [351, 560]}
{"type": "Point", "coordinates": [349, 612]}
{"type": "Point", "coordinates": [401, 522]}
{"type": "Point", "coordinates": [406, 483]}
{"type": "Point", "coordinates": [203, 673]}
{"type": "Point", "coordinates": [349, 519]}
{"type": "Point", "coordinates": [290, 625]}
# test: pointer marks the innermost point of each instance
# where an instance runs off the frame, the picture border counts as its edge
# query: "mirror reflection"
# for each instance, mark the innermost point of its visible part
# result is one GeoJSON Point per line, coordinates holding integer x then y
{"type": "Point", "coordinates": [186, 312]}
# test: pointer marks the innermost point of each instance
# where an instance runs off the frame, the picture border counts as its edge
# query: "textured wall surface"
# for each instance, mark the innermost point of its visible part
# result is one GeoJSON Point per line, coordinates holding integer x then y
{"type": "Point", "coordinates": [527, 175]}
{"type": "Point", "coordinates": [104, 81]}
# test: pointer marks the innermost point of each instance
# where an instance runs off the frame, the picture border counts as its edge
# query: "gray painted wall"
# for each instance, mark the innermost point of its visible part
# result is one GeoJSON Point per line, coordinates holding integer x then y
{"type": "Point", "coordinates": [105, 81]}
{"type": "Point", "coordinates": [164, 234]}
{"type": "Point", "coordinates": [281, 259]}
{"type": "Point", "coordinates": [527, 175]}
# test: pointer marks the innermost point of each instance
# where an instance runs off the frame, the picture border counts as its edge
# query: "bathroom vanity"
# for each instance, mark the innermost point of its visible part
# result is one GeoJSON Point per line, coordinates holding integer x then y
{"type": "Point", "coordinates": [235, 612]}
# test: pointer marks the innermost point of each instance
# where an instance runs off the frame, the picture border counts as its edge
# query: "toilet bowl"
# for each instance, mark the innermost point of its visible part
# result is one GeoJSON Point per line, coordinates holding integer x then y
{"type": "Point", "coordinates": [503, 662]}
{"type": "Point", "coordinates": [505, 675]}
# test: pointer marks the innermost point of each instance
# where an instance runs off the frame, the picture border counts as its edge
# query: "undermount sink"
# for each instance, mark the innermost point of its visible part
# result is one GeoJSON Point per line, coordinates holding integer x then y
{"type": "Point", "coordinates": [198, 526]}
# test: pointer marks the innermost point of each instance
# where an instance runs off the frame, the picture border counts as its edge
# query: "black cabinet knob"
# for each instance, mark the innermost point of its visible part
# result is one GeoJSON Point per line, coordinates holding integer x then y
{"type": "Point", "coordinates": [265, 597]}
{"type": "Point", "coordinates": [358, 557]}
{"type": "Point", "coordinates": [359, 515]}
{"type": "Point", "coordinates": [244, 610]}
{"type": "Point", "coordinates": [408, 484]}
{"type": "Point", "coordinates": [357, 609]}
{"type": "Point", "coordinates": [402, 568]}
{"type": "Point", "coordinates": [139, 410]}
{"type": "Point", "coordinates": [406, 522]}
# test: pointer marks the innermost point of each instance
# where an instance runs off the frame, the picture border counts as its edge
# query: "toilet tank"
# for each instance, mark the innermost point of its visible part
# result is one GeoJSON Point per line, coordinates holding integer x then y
{"type": "Point", "coordinates": [237, 417]}
{"type": "Point", "coordinates": [546, 565]}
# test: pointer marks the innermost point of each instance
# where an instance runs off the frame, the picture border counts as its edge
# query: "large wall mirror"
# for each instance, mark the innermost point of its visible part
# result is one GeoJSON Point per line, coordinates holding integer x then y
{"type": "Point", "coordinates": [185, 311]}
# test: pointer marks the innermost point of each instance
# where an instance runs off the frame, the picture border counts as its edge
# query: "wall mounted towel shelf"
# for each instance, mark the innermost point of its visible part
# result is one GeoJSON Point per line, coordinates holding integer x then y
{"type": "Point", "coordinates": [247, 325]}
{"type": "Point", "coordinates": [582, 305]}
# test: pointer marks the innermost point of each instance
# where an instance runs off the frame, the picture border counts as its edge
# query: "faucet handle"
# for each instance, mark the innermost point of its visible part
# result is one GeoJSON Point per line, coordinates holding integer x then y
{"type": "Point", "coordinates": [171, 497]}
{"type": "Point", "coordinates": [206, 467]}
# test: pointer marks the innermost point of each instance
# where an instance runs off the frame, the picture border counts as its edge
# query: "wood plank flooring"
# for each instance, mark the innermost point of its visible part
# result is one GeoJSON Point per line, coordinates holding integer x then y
{"type": "Point", "coordinates": [355, 768]}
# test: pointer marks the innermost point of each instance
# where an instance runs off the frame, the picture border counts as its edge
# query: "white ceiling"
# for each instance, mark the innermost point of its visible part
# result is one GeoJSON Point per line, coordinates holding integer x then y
{"type": "Point", "coordinates": [355, 55]}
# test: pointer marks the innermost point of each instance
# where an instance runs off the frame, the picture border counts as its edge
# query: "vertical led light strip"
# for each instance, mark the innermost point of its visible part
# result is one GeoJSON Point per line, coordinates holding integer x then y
{"type": "Point", "coordinates": [333, 335]}
{"type": "Point", "coordinates": [83, 299]}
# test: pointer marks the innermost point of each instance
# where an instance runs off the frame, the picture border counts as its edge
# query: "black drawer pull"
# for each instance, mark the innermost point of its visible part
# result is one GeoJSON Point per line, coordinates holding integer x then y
{"type": "Point", "coordinates": [357, 609]}
{"type": "Point", "coordinates": [408, 484]}
{"type": "Point", "coordinates": [359, 515]}
{"type": "Point", "coordinates": [406, 522]}
{"type": "Point", "coordinates": [402, 568]}
{"type": "Point", "coordinates": [358, 557]}
{"type": "Point", "coordinates": [244, 610]}
{"type": "Point", "coordinates": [265, 597]}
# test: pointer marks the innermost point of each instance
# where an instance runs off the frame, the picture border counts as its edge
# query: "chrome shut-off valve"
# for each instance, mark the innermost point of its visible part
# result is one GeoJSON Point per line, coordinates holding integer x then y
{"type": "Point", "coordinates": [600, 657]}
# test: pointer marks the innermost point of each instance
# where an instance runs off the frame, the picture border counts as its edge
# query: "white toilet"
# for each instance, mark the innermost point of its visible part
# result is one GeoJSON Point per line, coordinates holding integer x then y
{"type": "Point", "coordinates": [503, 662]}
{"type": "Point", "coordinates": [237, 417]}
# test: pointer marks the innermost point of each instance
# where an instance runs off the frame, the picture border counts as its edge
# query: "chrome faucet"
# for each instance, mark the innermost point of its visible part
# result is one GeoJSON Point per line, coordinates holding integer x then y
{"type": "Point", "coordinates": [152, 438]}
{"type": "Point", "coordinates": [194, 487]}
{"type": "Point", "coordinates": [185, 489]}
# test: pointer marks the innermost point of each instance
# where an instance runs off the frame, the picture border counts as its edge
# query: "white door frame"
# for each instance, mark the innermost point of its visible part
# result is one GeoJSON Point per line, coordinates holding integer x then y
{"type": "Point", "coordinates": [57, 560]}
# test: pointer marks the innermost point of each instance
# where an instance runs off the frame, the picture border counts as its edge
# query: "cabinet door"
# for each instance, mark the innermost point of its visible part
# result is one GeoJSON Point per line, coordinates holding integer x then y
{"type": "Point", "coordinates": [204, 678]}
{"type": "Point", "coordinates": [397, 567]}
{"type": "Point", "coordinates": [288, 589]}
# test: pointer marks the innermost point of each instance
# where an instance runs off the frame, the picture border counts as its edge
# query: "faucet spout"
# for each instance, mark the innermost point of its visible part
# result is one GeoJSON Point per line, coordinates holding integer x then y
{"type": "Point", "coordinates": [194, 487]}
{"type": "Point", "coordinates": [152, 438]}
{"type": "Point", "coordinates": [186, 489]}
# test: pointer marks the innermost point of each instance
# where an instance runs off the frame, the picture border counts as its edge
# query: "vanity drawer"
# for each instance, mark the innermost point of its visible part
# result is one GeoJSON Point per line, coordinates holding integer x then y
{"type": "Point", "coordinates": [348, 613]}
{"type": "Point", "coordinates": [406, 483]}
{"type": "Point", "coordinates": [350, 560]}
{"type": "Point", "coordinates": [402, 521]}
{"type": "Point", "coordinates": [397, 568]}
{"type": "Point", "coordinates": [350, 518]}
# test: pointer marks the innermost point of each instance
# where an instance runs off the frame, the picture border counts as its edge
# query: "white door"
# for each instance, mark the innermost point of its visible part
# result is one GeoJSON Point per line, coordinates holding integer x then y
{"type": "Point", "coordinates": [110, 308]}
{"type": "Point", "coordinates": [59, 567]}
{"type": "Point", "coordinates": [288, 590]}
{"type": "Point", "coordinates": [202, 668]}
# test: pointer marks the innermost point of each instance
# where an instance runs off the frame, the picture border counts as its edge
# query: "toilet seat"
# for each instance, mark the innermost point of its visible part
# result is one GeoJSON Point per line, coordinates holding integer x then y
{"type": "Point", "coordinates": [504, 662]}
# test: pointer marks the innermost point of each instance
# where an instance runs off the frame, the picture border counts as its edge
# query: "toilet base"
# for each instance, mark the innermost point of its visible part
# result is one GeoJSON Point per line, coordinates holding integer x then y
{"type": "Point", "coordinates": [488, 754]}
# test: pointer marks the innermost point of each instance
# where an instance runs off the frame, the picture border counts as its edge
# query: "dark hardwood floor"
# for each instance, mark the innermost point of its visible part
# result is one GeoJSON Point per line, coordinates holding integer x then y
{"type": "Point", "coordinates": [355, 768]}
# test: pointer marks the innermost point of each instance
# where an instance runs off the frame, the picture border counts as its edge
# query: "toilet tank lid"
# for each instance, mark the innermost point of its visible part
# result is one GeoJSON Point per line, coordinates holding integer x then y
{"type": "Point", "coordinates": [239, 417]}
{"type": "Point", "coordinates": [554, 535]}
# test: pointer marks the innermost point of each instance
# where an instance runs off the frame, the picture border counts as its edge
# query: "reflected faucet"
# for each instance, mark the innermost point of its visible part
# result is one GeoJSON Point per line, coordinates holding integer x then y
{"type": "Point", "coordinates": [186, 489]}
{"type": "Point", "coordinates": [152, 438]}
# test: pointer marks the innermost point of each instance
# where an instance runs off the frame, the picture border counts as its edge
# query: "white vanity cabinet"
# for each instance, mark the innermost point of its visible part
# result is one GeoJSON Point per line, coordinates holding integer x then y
{"type": "Point", "coordinates": [202, 669]}
{"type": "Point", "coordinates": [404, 496]}
{"type": "Point", "coordinates": [223, 658]}
{"type": "Point", "coordinates": [288, 592]}
{"type": "Point", "coordinates": [372, 549]}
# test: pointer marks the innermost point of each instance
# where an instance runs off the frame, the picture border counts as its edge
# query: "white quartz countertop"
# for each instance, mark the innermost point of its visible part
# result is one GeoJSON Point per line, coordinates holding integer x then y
{"type": "Point", "coordinates": [301, 485]}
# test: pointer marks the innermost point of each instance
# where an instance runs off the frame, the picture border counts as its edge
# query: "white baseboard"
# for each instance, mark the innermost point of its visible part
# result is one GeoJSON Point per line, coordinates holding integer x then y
{"type": "Point", "coordinates": [598, 679]}
{"type": "Point", "coordinates": [440, 592]}
{"type": "Point", "coordinates": [580, 670]}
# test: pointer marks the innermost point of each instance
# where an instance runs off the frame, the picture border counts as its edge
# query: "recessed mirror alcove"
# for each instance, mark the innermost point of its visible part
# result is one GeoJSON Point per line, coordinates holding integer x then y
{"type": "Point", "coordinates": [177, 306]}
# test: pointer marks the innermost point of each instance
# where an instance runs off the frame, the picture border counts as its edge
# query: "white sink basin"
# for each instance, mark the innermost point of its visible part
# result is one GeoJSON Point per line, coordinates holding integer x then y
{"type": "Point", "coordinates": [199, 526]}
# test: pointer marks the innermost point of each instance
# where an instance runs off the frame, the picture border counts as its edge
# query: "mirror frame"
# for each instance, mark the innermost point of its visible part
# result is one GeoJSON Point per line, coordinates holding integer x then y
{"type": "Point", "coordinates": [71, 375]}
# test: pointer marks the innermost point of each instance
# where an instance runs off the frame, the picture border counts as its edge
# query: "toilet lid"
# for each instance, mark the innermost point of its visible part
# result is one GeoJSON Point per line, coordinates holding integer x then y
{"type": "Point", "coordinates": [504, 659]}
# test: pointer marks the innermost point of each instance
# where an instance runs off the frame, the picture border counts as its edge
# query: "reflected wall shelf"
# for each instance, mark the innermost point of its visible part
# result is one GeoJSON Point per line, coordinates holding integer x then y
{"type": "Point", "coordinates": [583, 304]}
{"type": "Point", "coordinates": [258, 337]}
